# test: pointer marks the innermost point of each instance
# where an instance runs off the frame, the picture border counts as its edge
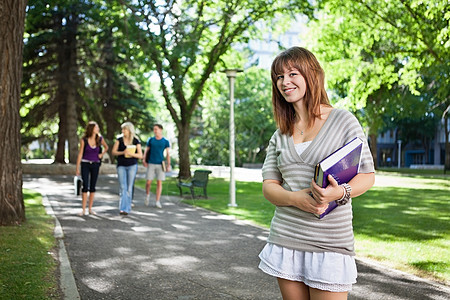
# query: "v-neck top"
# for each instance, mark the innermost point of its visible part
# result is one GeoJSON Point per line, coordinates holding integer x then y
{"type": "Point", "coordinates": [300, 147]}
{"type": "Point", "coordinates": [294, 228]}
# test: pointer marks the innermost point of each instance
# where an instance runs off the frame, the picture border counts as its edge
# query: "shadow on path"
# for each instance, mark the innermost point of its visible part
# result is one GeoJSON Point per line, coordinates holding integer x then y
{"type": "Point", "coordinates": [180, 252]}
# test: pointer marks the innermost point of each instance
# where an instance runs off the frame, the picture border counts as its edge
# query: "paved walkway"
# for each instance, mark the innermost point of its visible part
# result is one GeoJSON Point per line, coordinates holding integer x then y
{"type": "Point", "coordinates": [178, 252]}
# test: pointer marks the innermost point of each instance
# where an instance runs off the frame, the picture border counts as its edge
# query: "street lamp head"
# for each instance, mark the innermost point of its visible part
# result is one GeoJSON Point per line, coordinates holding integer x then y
{"type": "Point", "coordinates": [231, 73]}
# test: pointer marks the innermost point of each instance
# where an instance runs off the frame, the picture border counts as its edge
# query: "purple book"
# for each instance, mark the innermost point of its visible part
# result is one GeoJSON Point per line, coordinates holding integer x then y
{"type": "Point", "coordinates": [342, 164]}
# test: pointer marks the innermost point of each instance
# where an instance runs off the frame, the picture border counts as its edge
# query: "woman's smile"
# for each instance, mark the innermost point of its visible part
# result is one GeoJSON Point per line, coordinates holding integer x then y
{"type": "Point", "coordinates": [291, 85]}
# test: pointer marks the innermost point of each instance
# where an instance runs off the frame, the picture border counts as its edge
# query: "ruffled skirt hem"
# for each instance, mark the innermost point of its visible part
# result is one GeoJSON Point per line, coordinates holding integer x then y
{"type": "Point", "coordinates": [326, 271]}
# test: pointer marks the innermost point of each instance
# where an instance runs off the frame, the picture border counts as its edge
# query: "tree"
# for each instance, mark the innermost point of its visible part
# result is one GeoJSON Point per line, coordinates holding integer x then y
{"type": "Point", "coordinates": [373, 46]}
{"type": "Point", "coordinates": [116, 90]}
{"type": "Point", "coordinates": [12, 19]}
{"type": "Point", "coordinates": [76, 69]}
{"type": "Point", "coordinates": [51, 71]}
{"type": "Point", "coordinates": [185, 41]}
{"type": "Point", "coordinates": [413, 117]}
{"type": "Point", "coordinates": [254, 121]}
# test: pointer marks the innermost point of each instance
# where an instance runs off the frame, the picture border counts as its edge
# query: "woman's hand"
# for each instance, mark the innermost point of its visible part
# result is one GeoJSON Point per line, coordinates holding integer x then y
{"type": "Point", "coordinates": [304, 201]}
{"type": "Point", "coordinates": [326, 195]}
{"type": "Point", "coordinates": [277, 195]}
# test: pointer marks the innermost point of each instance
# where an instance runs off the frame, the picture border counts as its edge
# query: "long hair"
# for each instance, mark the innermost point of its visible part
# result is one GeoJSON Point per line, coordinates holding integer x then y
{"type": "Point", "coordinates": [308, 66]}
{"type": "Point", "coordinates": [130, 127]}
{"type": "Point", "coordinates": [90, 131]}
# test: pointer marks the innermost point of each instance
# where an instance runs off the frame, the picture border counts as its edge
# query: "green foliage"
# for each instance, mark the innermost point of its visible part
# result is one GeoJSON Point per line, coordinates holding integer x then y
{"type": "Point", "coordinates": [186, 40]}
{"type": "Point", "coordinates": [374, 50]}
{"type": "Point", "coordinates": [254, 124]}
{"type": "Point", "coordinates": [108, 80]}
{"type": "Point", "coordinates": [28, 265]}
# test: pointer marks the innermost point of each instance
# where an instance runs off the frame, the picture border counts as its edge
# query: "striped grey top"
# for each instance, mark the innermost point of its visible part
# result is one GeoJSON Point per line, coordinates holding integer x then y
{"type": "Point", "coordinates": [294, 228]}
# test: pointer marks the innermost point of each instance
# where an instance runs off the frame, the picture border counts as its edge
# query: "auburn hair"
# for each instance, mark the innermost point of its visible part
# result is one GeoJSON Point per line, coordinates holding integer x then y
{"type": "Point", "coordinates": [90, 131]}
{"type": "Point", "coordinates": [308, 66]}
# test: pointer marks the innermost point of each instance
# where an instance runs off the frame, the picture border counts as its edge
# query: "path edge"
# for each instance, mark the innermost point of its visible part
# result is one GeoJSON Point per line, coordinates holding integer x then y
{"type": "Point", "coordinates": [67, 280]}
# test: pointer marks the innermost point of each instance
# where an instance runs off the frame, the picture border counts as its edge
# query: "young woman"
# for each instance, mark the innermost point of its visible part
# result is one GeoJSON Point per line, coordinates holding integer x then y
{"type": "Point", "coordinates": [311, 258]}
{"type": "Point", "coordinates": [89, 157]}
{"type": "Point", "coordinates": [128, 150]}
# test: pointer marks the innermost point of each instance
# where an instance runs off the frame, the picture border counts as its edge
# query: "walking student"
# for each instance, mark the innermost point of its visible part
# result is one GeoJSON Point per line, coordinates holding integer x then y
{"type": "Point", "coordinates": [311, 258]}
{"type": "Point", "coordinates": [88, 161]}
{"type": "Point", "coordinates": [154, 161]}
{"type": "Point", "coordinates": [128, 150]}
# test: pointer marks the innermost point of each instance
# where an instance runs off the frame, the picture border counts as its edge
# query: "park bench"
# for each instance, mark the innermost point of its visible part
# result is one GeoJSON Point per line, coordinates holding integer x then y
{"type": "Point", "coordinates": [199, 181]}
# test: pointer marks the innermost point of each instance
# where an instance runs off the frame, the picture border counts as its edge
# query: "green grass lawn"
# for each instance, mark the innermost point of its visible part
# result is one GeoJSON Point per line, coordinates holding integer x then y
{"type": "Point", "coordinates": [402, 222]}
{"type": "Point", "coordinates": [404, 225]}
{"type": "Point", "coordinates": [27, 263]}
{"type": "Point", "coordinates": [407, 228]}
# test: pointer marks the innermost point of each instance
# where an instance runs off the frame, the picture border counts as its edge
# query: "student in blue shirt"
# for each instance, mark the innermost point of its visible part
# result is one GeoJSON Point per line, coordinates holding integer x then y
{"type": "Point", "coordinates": [154, 162]}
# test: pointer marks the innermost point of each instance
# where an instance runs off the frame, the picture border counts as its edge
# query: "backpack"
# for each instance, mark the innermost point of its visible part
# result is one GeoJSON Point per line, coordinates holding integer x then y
{"type": "Point", "coordinates": [147, 157]}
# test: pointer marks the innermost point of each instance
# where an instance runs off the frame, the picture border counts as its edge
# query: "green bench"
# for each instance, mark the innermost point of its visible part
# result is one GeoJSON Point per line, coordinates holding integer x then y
{"type": "Point", "coordinates": [199, 181]}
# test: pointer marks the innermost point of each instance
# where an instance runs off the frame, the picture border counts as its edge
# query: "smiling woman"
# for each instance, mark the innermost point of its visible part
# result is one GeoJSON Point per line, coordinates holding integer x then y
{"type": "Point", "coordinates": [306, 260]}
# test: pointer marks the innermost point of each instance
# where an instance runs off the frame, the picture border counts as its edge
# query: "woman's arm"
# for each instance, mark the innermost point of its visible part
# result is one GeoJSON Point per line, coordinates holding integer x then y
{"type": "Point", "coordinates": [105, 149]}
{"type": "Point", "coordinates": [277, 195]}
{"type": "Point", "coordinates": [80, 156]}
{"type": "Point", "coordinates": [361, 183]}
{"type": "Point", "coordinates": [138, 153]}
{"type": "Point", "coordinates": [115, 150]}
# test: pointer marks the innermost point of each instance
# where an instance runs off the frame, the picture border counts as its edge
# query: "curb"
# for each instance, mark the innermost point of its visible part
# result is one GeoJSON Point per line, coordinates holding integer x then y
{"type": "Point", "coordinates": [67, 280]}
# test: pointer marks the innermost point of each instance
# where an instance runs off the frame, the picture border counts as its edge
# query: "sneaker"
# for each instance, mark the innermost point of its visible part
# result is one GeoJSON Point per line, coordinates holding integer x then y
{"type": "Point", "coordinates": [158, 204]}
{"type": "Point", "coordinates": [147, 200]}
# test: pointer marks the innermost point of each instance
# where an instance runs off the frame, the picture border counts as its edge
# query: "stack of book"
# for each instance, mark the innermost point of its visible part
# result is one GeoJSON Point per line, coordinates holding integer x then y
{"type": "Point", "coordinates": [343, 165]}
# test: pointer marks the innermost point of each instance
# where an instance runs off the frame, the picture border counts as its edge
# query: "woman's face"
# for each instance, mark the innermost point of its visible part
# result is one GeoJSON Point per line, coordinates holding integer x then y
{"type": "Point", "coordinates": [125, 132]}
{"type": "Point", "coordinates": [96, 129]}
{"type": "Point", "coordinates": [291, 85]}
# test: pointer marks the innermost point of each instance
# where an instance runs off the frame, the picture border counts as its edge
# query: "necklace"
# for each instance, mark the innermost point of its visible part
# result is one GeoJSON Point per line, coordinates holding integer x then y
{"type": "Point", "coordinates": [301, 131]}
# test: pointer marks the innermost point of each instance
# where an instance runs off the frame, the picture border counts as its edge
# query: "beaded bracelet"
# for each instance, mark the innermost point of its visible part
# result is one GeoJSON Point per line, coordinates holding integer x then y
{"type": "Point", "coordinates": [347, 191]}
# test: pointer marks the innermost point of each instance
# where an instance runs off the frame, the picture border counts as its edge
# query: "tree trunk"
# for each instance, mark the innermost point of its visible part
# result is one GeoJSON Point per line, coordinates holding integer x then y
{"type": "Point", "coordinates": [183, 151]}
{"type": "Point", "coordinates": [67, 89]}
{"type": "Point", "coordinates": [61, 144]}
{"type": "Point", "coordinates": [107, 94]}
{"type": "Point", "coordinates": [12, 19]}
{"type": "Point", "coordinates": [71, 87]}
{"type": "Point", "coordinates": [373, 149]}
{"type": "Point", "coordinates": [447, 145]}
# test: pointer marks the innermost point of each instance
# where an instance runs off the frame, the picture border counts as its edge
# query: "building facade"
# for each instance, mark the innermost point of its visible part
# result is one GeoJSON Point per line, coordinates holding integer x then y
{"type": "Point", "coordinates": [414, 153]}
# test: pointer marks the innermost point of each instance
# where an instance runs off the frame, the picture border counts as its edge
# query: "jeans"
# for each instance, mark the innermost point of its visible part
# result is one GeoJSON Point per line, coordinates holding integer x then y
{"type": "Point", "coordinates": [126, 183]}
{"type": "Point", "coordinates": [92, 169]}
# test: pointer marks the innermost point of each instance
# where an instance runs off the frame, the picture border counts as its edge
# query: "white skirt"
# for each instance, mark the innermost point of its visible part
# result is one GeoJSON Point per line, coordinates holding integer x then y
{"type": "Point", "coordinates": [328, 271]}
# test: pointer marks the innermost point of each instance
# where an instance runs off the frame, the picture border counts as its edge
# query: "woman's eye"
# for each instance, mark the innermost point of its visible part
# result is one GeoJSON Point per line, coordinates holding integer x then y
{"type": "Point", "coordinates": [280, 77]}
{"type": "Point", "coordinates": [293, 74]}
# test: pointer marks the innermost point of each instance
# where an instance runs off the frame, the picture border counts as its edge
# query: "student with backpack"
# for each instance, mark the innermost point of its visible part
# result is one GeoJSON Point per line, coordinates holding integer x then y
{"type": "Point", "coordinates": [88, 163]}
{"type": "Point", "coordinates": [155, 164]}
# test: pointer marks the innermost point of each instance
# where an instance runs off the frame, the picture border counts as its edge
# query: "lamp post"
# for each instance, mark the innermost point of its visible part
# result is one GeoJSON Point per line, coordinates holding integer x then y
{"type": "Point", "coordinates": [231, 74]}
{"type": "Point", "coordinates": [399, 142]}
